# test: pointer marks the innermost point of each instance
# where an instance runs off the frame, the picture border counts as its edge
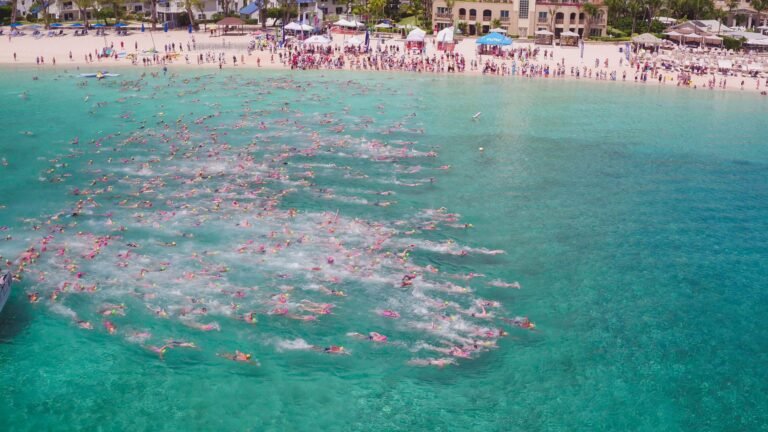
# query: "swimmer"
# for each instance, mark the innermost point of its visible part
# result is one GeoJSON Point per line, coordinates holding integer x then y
{"type": "Point", "coordinates": [390, 314]}
{"type": "Point", "coordinates": [250, 318]}
{"type": "Point", "coordinates": [33, 297]}
{"type": "Point", "coordinates": [239, 357]}
{"type": "Point", "coordinates": [372, 336]}
{"type": "Point", "coordinates": [160, 351]}
{"type": "Point", "coordinates": [521, 322]}
{"type": "Point", "coordinates": [180, 344]}
{"type": "Point", "coordinates": [85, 325]}
{"type": "Point", "coordinates": [333, 349]}
{"type": "Point", "coordinates": [205, 327]}
{"type": "Point", "coordinates": [501, 284]}
{"type": "Point", "coordinates": [477, 115]}
{"type": "Point", "coordinates": [111, 328]}
{"type": "Point", "coordinates": [441, 362]}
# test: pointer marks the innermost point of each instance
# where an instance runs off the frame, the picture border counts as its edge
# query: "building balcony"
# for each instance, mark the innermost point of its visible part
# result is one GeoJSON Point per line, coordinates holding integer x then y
{"type": "Point", "coordinates": [542, 20]}
{"type": "Point", "coordinates": [559, 21]}
{"type": "Point", "coordinates": [444, 15]}
{"type": "Point", "coordinates": [473, 18]}
{"type": "Point", "coordinates": [504, 19]}
{"type": "Point", "coordinates": [463, 17]}
{"type": "Point", "coordinates": [486, 18]}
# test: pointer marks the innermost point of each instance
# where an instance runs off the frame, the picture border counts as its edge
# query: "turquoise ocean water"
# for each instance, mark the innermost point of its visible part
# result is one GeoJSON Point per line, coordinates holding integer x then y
{"type": "Point", "coordinates": [635, 219]}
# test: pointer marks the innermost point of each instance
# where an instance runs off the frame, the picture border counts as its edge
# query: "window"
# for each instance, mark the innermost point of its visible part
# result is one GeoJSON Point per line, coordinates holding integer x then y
{"type": "Point", "coordinates": [137, 8]}
{"type": "Point", "coordinates": [67, 5]}
{"type": "Point", "coordinates": [442, 10]}
{"type": "Point", "coordinates": [339, 10]}
{"type": "Point", "coordinates": [542, 16]}
{"type": "Point", "coordinates": [505, 14]}
{"type": "Point", "coordinates": [524, 9]}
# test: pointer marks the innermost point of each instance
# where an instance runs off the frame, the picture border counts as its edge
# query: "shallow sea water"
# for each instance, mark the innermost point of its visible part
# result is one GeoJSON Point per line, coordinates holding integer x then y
{"type": "Point", "coordinates": [635, 219]}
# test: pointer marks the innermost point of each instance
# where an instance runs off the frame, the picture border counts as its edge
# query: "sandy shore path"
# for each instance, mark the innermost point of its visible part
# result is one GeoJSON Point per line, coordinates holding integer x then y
{"type": "Point", "coordinates": [72, 51]}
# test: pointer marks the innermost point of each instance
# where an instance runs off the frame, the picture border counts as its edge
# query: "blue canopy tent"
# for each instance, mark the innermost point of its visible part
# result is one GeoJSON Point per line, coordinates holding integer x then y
{"type": "Point", "coordinates": [76, 25]}
{"type": "Point", "coordinates": [249, 9]}
{"type": "Point", "coordinates": [56, 25]}
{"type": "Point", "coordinates": [492, 43]}
{"type": "Point", "coordinates": [121, 25]}
{"type": "Point", "coordinates": [495, 39]}
{"type": "Point", "coordinates": [98, 25]}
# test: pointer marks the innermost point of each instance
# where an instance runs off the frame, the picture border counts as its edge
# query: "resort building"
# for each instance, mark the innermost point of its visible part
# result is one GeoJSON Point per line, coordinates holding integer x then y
{"type": "Point", "coordinates": [521, 18]}
{"type": "Point", "coordinates": [743, 15]}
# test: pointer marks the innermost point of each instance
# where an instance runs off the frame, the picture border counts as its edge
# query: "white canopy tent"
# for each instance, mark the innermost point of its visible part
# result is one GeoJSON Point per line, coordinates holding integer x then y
{"type": "Point", "coordinates": [569, 34]}
{"type": "Point", "coordinates": [354, 41]}
{"type": "Point", "coordinates": [725, 64]}
{"type": "Point", "coordinates": [416, 35]}
{"type": "Point", "coordinates": [382, 25]}
{"type": "Point", "coordinates": [445, 35]}
{"type": "Point", "coordinates": [317, 40]}
{"type": "Point", "coordinates": [299, 27]}
{"type": "Point", "coordinates": [497, 30]}
{"type": "Point", "coordinates": [343, 23]}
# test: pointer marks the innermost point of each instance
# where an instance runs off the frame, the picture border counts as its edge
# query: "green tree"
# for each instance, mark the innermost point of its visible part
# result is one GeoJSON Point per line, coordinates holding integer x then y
{"type": "Point", "coordinates": [653, 7]}
{"type": "Point", "coordinates": [376, 8]}
{"type": "Point", "coordinates": [189, 5]}
{"type": "Point", "coordinates": [83, 6]}
{"type": "Point", "coordinates": [591, 11]}
{"type": "Point", "coordinates": [495, 23]}
{"type": "Point", "coordinates": [720, 15]}
{"type": "Point", "coordinates": [759, 6]}
{"type": "Point", "coordinates": [153, 8]}
{"type": "Point", "coordinates": [14, 10]}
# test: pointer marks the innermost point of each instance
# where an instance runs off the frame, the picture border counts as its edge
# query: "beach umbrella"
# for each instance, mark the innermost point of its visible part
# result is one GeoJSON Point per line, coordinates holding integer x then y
{"type": "Point", "coordinates": [142, 27]}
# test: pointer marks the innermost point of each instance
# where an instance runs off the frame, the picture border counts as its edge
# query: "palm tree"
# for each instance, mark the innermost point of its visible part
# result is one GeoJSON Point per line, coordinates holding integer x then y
{"type": "Point", "coordinates": [759, 6]}
{"type": "Point", "coordinates": [653, 7]}
{"type": "Point", "coordinates": [153, 6]}
{"type": "Point", "coordinates": [552, 11]}
{"type": "Point", "coordinates": [731, 4]}
{"type": "Point", "coordinates": [719, 15]}
{"type": "Point", "coordinates": [14, 9]}
{"type": "Point", "coordinates": [449, 4]}
{"type": "Point", "coordinates": [189, 5]}
{"type": "Point", "coordinates": [83, 6]}
{"type": "Point", "coordinates": [591, 11]}
{"type": "Point", "coordinates": [633, 7]}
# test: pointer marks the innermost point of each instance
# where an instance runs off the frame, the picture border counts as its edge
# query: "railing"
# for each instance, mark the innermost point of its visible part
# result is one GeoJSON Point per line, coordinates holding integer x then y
{"type": "Point", "coordinates": [473, 17]}
{"type": "Point", "coordinates": [581, 21]}
{"type": "Point", "coordinates": [486, 17]}
{"type": "Point", "coordinates": [463, 17]}
{"type": "Point", "coordinates": [542, 20]}
{"type": "Point", "coordinates": [444, 15]}
{"type": "Point", "coordinates": [559, 21]}
{"type": "Point", "coordinates": [504, 19]}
